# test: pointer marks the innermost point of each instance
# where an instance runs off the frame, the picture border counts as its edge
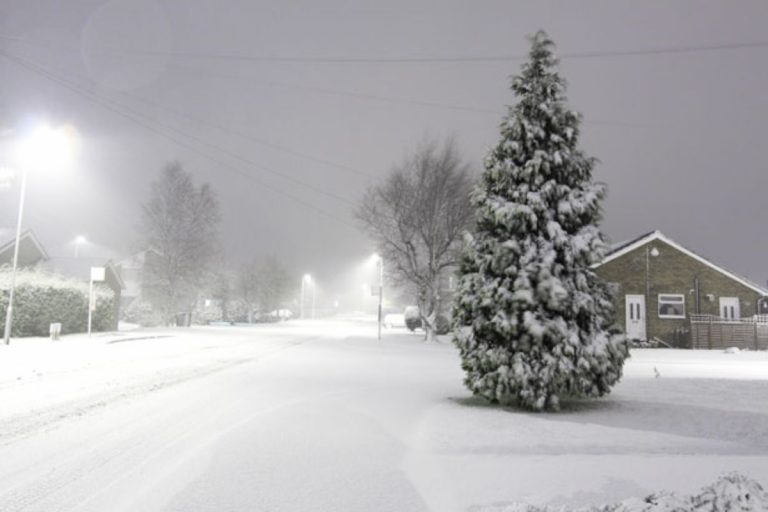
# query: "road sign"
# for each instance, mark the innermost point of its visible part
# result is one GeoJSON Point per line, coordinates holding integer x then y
{"type": "Point", "coordinates": [98, 273]}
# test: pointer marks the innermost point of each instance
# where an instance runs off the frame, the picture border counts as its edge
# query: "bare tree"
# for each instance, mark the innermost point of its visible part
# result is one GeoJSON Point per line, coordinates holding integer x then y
{"type": "Point", "coordinates": [247, 286]}
{"type": "Point", "coordinates": [417, 216]}
{"type": "Point", "coordinates": [222, 288]}
{"type": "Point", "coordinates": [264, 284]}
{"type": "Point", "coordinates": [180, 223]}
{"type": "Point", "coordinates": [274, 284]}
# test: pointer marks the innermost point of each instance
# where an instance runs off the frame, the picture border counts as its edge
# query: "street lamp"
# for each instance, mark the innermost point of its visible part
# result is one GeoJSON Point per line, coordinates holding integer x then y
{"type": "Point", "coordinates": [313, 299]}
{"type": "Point", "coordinates": [43, 149]}
{"type": "Point", "coordinates": [380, 262]}
{"type": "Point", "coordinates": [79, 240]}
{"type": "Point", "coordinates": [306, 280]}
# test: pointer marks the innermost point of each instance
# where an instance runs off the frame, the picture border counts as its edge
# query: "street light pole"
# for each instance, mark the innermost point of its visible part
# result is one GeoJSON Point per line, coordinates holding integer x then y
{"type": "Point", "coordinates": [80, 240]}
{"type": "Point", "coordinates": [9, 310]}
{"type": "Point", "coordinates": [43, 148]}
{"type": "Point", "coordinates": [301, 301]}
{"type": "Point", "coordinates": [313, 299]}
{"type": "Point", "coordinates": [306, 279]}
{"type": "Point", "coordinates": [381, 292]}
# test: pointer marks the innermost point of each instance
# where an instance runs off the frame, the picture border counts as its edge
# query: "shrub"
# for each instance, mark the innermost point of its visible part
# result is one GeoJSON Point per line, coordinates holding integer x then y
{"type": "Point", "coordinates": [205, 314]}
{"type": "Point", "coordinates": [141, 312]}
{"type": "Point", "coordinates": [413, 323]}
{"type": "Point", "coordinates": [730, 493]}
{"type": "Point", "coordinates": [442, 325]}
{"type": "Point", "coordinates": [41, 299]}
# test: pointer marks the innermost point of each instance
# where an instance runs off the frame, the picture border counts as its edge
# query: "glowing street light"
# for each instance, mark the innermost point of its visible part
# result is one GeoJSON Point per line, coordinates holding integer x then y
{"type": "Point", "coordinates": [305, 281]}
{"type": "Point", "coordinates": [42, 150]}
{"type": "Point", "coordinates": [79, 240]}
{"type": "Point", "coordinates": [380, 261]}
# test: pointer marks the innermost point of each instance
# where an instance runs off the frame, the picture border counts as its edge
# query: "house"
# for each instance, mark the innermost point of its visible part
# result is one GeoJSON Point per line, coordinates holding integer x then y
{"type": "Point", "coordinates": [659, 284]}
{"type": "Point", "coordinates": [31, 252]}
{"type": "Point", "coordinates": [131, 271]}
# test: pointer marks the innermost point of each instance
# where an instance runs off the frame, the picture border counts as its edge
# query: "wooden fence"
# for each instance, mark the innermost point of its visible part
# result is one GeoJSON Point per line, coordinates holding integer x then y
{"type": "Point", "coordinates": [713, 332]}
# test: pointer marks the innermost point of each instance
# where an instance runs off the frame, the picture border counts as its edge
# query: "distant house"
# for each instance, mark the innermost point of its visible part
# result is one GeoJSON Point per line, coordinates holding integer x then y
{"type": "Point", "coordinates": [31, 252]}
{"type": "Point", "coordinates": [115, 282]}
{"type": "Point", "coordinates": [659, 284]}
{"type": "Point", "coordinates": [131, 271]}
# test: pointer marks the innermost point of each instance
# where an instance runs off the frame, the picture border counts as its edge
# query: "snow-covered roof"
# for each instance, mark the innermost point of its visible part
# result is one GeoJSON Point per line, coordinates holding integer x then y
{"type": "Point", "coordinates": [30, 250]}
{"type": "Point", "coordinates": [623, 248]}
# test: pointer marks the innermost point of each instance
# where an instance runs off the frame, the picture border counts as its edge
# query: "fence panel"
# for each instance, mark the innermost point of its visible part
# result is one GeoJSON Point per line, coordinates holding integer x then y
{"type": "Point", "coordinates": [712, 332]}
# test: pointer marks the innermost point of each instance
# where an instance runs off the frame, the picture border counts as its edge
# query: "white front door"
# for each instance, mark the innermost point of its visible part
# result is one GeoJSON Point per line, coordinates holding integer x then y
{"type": "Point", "coordinates": [635, 319]}
{"type": "Point", "coordinates": [729, 308]}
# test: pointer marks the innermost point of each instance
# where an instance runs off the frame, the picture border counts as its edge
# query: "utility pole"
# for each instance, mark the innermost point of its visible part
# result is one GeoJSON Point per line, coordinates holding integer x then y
{"type": "Point", "coordinates": [301, 300]}
{"type": "Point", "coordinates": [381, 293]}
{"type": "Point", "coordinates": [313, 300]}
{"type": "Point", "coordinates": [9, 311]}
{"type": "Point", "coordinates": [306, 280]}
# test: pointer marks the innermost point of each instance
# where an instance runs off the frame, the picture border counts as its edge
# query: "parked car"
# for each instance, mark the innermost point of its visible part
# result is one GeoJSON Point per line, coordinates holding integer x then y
{"type": "Point", "coordinates": [394, 320]}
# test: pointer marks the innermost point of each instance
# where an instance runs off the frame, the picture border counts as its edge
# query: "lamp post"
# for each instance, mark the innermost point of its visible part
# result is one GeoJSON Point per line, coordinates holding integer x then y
{"type": "Point", "coordinates": [9, 310]}
{"type": "Point", "coordinates": [42, 149]}
{"type": "Point", "coordinates": [305, 280]}
{"type": "Point", "coordinates": [312, 283]}
{"type": "Point", "coordinates": [79, 240]}
{"type": "Point", "coordinates": [380, 264]}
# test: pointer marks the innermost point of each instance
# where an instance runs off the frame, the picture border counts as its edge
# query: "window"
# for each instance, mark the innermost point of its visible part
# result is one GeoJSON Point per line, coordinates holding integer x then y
{"type": "Point", "coordinates": [671, 306]}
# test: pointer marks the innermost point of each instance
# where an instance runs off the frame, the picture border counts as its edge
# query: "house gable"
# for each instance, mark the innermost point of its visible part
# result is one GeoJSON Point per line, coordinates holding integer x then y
{"type": "Point", "coordinates": [31, 252]}
{"type": "Point", "coordinates": [674, 273]}
{"type": "Point", "coordinates": [643, 240]}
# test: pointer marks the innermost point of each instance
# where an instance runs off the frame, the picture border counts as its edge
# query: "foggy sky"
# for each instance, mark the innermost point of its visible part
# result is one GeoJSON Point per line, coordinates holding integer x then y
{"type": "Point", "coordinates": [680, 136]}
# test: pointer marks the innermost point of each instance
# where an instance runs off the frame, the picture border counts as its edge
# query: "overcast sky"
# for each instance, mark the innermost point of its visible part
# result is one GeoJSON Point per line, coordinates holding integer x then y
{"type": "Point", "coordinates": [257, 97]}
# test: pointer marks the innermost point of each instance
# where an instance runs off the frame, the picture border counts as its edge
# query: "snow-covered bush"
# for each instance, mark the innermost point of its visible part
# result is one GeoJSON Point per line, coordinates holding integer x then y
{"type": "Point", "coordinates": [730, 493]}
{"type": "Point", "coordinates": [412, 318]}
{"type": "Point", "coordinates": [533, 322]}
{"type": "Point", "coordinates": [204, 314]}
{"type": "Point", "coordinates": [237, 311]}
{"type": "Point", "coordinates": [442, 325]}
{"type": "Point", "coordinates": [42, 298]}
{"type": "Point", "coordinates": [141, 312]}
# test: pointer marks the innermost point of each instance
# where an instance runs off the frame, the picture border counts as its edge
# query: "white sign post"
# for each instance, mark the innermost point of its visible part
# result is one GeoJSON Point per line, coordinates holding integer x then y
{"type": "Point", "coordinates": [98, 274]}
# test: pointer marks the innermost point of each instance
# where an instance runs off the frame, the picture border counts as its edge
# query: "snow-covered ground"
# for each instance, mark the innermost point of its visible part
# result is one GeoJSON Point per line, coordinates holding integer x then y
{"type": "Point", "coordinates": [322, 416]}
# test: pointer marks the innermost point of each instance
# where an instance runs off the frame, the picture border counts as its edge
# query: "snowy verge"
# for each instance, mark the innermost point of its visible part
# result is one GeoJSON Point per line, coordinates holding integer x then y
{"type": "Point", "coordinates": [732, 492]}
{"type": "Point", "coordinates": [43, 382]}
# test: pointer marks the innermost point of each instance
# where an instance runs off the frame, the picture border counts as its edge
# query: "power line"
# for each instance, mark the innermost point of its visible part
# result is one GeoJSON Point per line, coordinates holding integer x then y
{"type": "Point", "coordinates": [680, 49]}
{"type": "Point", "coordinates": [343, 93]}
{"type": "Point", "coordinates": [233, 155]}
{"type": "Point", "coordinates": [418, 102]}
{"type": "Point", "coordinates": [386, 99]}
{"type": "Point", "coordinates": [137, 119]}
{"type": "Point", "coordinates": [251, 138]}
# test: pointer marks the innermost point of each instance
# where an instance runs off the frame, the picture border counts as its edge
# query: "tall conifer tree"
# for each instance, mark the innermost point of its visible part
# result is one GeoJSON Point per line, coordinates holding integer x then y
{"type": "Point", "coordinates": [532, 319]}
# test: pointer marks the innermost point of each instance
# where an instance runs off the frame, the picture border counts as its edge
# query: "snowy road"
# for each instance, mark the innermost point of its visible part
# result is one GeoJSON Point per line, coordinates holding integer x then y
{"type": "Point", "coordinates": [323, 417]}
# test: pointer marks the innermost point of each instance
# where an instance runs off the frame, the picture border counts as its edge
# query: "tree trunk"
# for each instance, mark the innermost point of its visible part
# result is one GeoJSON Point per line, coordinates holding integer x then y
{"type": "Point", "coordinates": [428, 310]}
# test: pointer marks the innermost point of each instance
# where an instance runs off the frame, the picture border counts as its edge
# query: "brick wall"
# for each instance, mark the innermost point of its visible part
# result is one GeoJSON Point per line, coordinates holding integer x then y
{"type": "Point", "coordinates": [672, 272]}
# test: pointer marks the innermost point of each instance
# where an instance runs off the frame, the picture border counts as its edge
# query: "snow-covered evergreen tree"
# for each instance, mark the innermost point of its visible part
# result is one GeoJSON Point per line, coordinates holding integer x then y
{"type": "Point", "coordinates": [532, 320]}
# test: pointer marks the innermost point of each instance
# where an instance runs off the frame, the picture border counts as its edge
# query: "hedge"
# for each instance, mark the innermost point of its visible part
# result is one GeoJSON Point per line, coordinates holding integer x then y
{"type": "Point", "coordinates": [42, 298]}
